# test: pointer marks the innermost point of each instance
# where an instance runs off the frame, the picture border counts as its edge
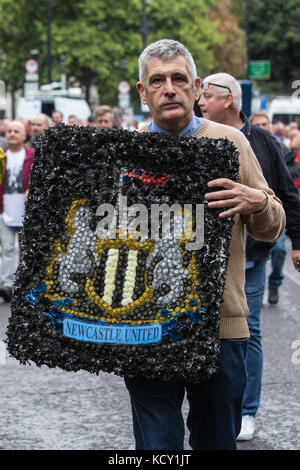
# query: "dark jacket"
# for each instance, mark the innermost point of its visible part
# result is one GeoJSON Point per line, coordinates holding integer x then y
{"type": "Point", "coordinates": [291, 162]}
{"type": "Point", "coordinates": [269, 155]}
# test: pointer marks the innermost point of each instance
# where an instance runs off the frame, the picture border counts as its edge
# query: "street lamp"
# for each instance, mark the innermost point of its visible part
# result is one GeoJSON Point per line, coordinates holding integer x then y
{"type": "Point", "coordinates": [146, 26]}
{"type": "Point", "coordinates": [144, 23]}
{"type": "Point", "coordinates": [49, 57]}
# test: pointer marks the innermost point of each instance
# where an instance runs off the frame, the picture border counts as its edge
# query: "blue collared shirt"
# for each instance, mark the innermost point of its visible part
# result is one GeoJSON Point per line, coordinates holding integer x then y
{"type": "Point", "coordinates": [192, 127]}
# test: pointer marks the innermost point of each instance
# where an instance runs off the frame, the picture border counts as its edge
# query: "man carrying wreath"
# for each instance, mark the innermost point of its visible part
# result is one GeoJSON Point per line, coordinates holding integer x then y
{"type": "Point", "coordinates": [169, 85]}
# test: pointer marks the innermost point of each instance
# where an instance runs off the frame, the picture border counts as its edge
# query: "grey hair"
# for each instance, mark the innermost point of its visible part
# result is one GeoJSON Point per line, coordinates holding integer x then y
{"type": "Point", "coordinates": [103, 109]}
{"type": "Point", "coordinates": [227, 80]}
{"type": "Point", "coordinates": [165, 49]}
{"type": "Point", "coordinates": [258, 114]}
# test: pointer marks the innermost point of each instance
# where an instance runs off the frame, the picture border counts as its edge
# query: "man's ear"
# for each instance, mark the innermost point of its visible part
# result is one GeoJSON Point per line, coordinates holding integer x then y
{"type": "Point", "coordinates": [141, 91]}
{"type": "Point", "coordinates": [228, 101]}
{"type": "Point", "coordinates": [197, 88]}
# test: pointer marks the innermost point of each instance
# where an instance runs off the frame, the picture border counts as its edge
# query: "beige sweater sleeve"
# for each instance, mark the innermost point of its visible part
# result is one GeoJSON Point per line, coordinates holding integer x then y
{"type": "Point", "coordinates": [269, 224]}
{"type": "Point", "coordinates": [266, 225]}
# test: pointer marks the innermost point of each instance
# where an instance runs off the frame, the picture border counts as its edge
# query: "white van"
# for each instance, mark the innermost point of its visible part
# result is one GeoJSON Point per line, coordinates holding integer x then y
{"type": "Point", "coordinates": [29, 108]}
{"type": "Point", "coordinates": [285, 109]}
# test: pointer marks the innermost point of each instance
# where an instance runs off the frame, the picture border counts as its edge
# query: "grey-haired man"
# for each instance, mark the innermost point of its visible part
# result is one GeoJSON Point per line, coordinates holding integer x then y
{"type": "Point", "coordinates": [169, 85]}
{"type": "Point", "coordinates": [221, 101]}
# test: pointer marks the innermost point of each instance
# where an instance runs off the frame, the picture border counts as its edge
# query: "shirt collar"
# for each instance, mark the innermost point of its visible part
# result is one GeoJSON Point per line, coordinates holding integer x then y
{"type": "Point", "coordinates": [192, 127]}
{"type": "Point", "coordinates": [246, 127]}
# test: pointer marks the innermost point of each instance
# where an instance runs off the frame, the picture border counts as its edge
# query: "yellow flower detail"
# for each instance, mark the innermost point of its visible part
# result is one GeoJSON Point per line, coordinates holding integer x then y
{"type": "Point", "coordinates": [111, 270]}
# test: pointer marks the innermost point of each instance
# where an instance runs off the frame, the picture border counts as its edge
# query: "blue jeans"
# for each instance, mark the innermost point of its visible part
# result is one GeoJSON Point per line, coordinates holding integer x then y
{"type": "Point", "coordinates": [254, 290]}
{"type": "Point", "coordinates": [215, 406]}
{"type": "Point", "coordinates": [278, 254]}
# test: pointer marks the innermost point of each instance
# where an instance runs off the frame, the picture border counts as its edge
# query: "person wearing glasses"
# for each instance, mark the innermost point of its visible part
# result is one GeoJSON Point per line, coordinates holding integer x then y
{"type": "Point", "coordinates": [169, 85]}
{"type": "Point", "coordinates": [221, 101]}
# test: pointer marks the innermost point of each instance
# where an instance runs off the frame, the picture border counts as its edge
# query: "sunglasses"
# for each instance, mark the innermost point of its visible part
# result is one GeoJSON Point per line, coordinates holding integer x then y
{"type": "Point", "coordinates": [215, 84]}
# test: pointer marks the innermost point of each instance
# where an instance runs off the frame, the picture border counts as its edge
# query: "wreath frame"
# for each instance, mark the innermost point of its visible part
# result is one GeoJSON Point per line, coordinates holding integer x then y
{"type": "Point", "coordinates": [67, 163]}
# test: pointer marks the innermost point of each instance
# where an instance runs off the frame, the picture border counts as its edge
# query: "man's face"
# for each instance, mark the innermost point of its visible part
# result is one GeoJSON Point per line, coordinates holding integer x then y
{"type": "Point", "coordinates": [261, 121]}
{"type": "Point", "coordinates": [104, 121]}
{"type": "Point", "coordinates": [56, 117]}
{"type": "Point", "coordinates": [169, 92]}
{"type": "Point", "coordinates": [15, 134]}
{"type": "Point", "coordinates": [72, 121]}
{"type": "Point", "coordinates": [213, 103]}
{"type": "Point", "coordinates": [38, 126]}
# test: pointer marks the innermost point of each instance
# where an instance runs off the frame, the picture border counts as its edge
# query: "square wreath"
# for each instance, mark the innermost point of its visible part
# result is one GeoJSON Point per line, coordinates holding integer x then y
{"type": "Point", "coordinates": [120, 303]}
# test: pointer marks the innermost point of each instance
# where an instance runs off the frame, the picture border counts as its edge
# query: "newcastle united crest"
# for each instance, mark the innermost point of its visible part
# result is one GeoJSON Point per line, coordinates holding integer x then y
{"type": "Point", "coordinates": [122, 265]}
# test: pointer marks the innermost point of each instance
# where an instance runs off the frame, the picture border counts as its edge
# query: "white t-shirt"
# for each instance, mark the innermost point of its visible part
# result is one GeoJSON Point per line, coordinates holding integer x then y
{"type": "Point", "coordinates": [13, 197]}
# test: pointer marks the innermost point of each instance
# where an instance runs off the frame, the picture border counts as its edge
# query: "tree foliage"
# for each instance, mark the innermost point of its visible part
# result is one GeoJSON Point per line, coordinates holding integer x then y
{"type": "Point", "coordinates": [231, 55]}
{"type": "Point", "coordinates": [18, 34]}
{"type": "Point", "coordinates": [189, 22]}
{"type": "Point", "coordinates": [274, 34]}
{"type": "Point", "coordinates": [100, 40]}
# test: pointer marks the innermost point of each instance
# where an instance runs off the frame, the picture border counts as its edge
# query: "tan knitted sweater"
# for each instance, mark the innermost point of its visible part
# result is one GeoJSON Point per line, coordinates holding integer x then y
{"type": "Point", "coordinates": [267, 225]}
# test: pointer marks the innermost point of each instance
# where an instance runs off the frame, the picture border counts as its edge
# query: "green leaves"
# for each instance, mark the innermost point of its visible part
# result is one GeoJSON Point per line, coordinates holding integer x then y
{"type": "Point", "coordinates": [273, 34]}
{"type": "Point", "coordinates": [188, 22]}
{"type": "Point", "coordinates": [101, 42]}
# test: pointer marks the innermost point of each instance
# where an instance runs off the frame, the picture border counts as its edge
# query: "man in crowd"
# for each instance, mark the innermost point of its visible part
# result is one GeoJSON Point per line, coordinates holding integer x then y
{"type": "Point", "coordinates": [72, 120]}
{"type": "Point", "coordinates": [38, 125]}
{"type": "Point", "coordinates": [278, 251]}
{"type": "Point", "coordinates": [117, 118]}
{"type": "Point", "coordinates": [221, 101]}
{"type": "Point", "coordinates": [57, 117]}
{"type": "Point", "coordinates": [169, 85]}
{"type": "Point", "coordinates": [3, 126]}
{"type": "Point", "coordinates": [90, 120]}
{"type": "Point", "coordinates": [15, 183]}
{"type": "Point", "coordinates": [104, 117]}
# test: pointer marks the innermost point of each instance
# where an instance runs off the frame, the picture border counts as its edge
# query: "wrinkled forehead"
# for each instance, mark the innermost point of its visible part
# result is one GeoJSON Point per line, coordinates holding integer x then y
{"type": "Point", "coordinates": [38, 122]}
{"type": "Point", "coordinates": [260, 120]}
{"type": "Point", "coordinates": [16, 126]}
{"type": "Point", "coordinates": [205, 85]}
{"type": "Point", "coordinates": [215, 86]}
{"type": "Point", "coordinates": [161, 65]}
{"type": "Point", "coordinates": [104, 116]}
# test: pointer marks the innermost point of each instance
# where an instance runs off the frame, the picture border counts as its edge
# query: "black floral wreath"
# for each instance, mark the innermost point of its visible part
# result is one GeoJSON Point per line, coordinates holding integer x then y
{"type": "Point", "coordinates": [82, 168]}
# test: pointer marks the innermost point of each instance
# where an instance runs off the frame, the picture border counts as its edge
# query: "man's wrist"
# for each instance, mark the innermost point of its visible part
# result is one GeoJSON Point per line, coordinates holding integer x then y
{"type": "Point", "coordinates": [263, 203]}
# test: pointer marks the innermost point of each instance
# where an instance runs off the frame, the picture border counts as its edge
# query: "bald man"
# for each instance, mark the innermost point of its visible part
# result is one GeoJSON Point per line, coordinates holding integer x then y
{"type": "Point", "coordinates": [38, 125]}
{"type": "Point", "coordinates": [17, 161]}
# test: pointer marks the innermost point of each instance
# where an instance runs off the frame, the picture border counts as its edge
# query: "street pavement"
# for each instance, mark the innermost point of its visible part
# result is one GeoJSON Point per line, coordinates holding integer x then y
{"type": "Point", "coordinates": [49, 409]}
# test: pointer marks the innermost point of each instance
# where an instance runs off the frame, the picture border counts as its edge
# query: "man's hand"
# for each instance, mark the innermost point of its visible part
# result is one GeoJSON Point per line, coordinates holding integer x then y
{"type": "Point", "coordinates": [296, 259]}
{"type": "Point", "coordinates": [238, 197]}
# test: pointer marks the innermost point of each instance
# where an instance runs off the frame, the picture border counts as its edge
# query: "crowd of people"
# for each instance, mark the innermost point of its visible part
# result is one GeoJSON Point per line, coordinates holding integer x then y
{"type": "Point", "coordinates": [271, 153]}
{"type": "Point", "coordinates": [17, 139]}
{"type": "Point", "coordinates": [169, 85]}
{"type": "Point", "coordinates": [288, 136]}
{"type": "Point", "coordinates": [104, 117]}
